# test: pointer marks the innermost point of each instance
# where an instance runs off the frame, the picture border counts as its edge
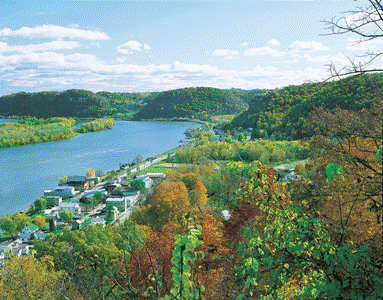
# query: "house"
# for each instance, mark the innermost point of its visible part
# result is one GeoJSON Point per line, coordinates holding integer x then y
{"type": "Point", "coordinates": [112, 184]}
{"type": "Point", "coordinates": [119, 202]}
{"type": "Point", "coordinates": [30, 232]}
{"type": "Point", "coordinates": [53, 200]}
{"type": "Point", "coordinates": [61, 191]}
{"type": "Point", "coordinates": [97, 220]}
{"type": "Point", "coordinates": [156, 177]}
{"type": "Point", "coordinates": [146, 179]}
{"type": "Point", "coordinates": [76, 225]}
{"type": "Point", "coordinates": [80, 183]}
{"type": "Point", "coordinates": [93, 180]}
{"type": "Point", "coordinates": [16, 246]}
{"type": "Point", "coordinates": [73, 206]}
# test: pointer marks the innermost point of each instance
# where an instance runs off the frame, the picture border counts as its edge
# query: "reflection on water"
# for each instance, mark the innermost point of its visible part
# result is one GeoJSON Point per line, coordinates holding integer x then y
{"type": "Point", "coordinates": [26, 171]}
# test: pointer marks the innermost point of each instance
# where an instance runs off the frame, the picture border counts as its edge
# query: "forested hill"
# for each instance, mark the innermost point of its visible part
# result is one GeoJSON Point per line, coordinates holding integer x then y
{"type": "Point", "coordinates": [73, 103]}
{"type": "Point", "coordinates": [284, 113]}
{"type": "Point", "coordinates": [198, 102]}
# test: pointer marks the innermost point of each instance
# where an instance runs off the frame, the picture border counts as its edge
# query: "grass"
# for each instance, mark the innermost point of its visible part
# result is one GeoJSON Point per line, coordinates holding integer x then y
{"type": "Point", "coordinates": [154, 169]}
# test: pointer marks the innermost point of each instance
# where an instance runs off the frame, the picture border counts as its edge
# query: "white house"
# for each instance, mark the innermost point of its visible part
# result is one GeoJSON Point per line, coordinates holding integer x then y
{"type": "Point", "coordinates": [29, 231]}
{"type": "Point", "coordinates": [95, 221]}
{"type": "Point", "coordinates": [16, 246]}
{"type": "Point", "coordinates": [119, 202]}
{"type": "Point", "coordinates": [75, 207]}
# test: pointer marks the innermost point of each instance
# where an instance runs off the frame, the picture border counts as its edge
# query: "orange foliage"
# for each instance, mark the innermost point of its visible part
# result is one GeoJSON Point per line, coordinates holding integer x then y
{"type": "Point", "coordinates": [170, 202]}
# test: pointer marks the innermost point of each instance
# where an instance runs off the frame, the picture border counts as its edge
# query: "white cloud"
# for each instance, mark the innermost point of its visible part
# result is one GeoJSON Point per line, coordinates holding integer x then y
{"type": "Point", "coordinates": [298, 46]}
{"type": "Point", "coordinates": [371, 45]}
{"type": "Point", "coordinates": [362, 17]}
{"type": "Point", "coordinates": [56, 32]}
{"type": "Point", "coordinates": [55, 45]}
{"type": "Point", "coordinates": [274, 42]}
{"type": "Point", "coordinates": [263, 51]}
{"type": "Point", "coordinates": [225, 52]}
{"type": "Point", "coordinates": [131, 46]}
{"type": "Point", "coordinates": [244, 44]}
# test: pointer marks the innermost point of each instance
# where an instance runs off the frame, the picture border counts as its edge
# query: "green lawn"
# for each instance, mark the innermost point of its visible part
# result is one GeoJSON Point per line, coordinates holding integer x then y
{"type": "Point", "coordinates": [154, 169]}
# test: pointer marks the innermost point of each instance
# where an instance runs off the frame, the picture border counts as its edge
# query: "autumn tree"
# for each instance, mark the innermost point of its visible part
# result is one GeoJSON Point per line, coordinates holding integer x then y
{"type": "Point", "coordinates": [90, 173]}
{"type": "Point", "coordinates": [198, 195]}
{"type": "Point", "coordinates": [27, 278]}
{"type": "Point", "coordinates": [170, 202]}
{"type": "Point", "coordinates": [40, 221]}
{"type": "Point", "coordinates": [350, 139]}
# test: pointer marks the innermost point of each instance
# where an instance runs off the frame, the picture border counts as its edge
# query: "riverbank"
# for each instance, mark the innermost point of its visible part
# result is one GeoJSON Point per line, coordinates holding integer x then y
{"type": "Point", "coordinates": [28, 170]}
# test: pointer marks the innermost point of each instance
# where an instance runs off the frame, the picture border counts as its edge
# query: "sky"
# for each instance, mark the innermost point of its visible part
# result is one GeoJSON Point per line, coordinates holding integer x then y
{"type": "Point", "coordinates": [143, 46]}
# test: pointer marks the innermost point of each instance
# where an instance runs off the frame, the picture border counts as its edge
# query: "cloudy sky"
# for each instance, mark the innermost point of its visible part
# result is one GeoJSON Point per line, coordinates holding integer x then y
{"type": "Point", "coordinates": [138, 46]}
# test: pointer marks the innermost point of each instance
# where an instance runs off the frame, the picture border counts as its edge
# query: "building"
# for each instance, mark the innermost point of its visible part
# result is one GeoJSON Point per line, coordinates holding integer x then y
{"type": "Point", "coordinates": [97, 220]}
{"type": "Point", "coordinates": [61, 191]}
{"type": "Point", "coordinates": [145, 178]}
{"type": "Point", "coordinates": [80, 183]}
{"type": "Point", "coordinates": [31, 232]}
{"type": "Point", "coordinates": [17, 248]}
{"type": "Point", "coordinates": [120, 202]}
{"type": "Point", "coordinates": [93, 180]}
{"type": "Point", "coordinates": [53, 200]}
{"type": "Point", "coordinates": [73, 206]}
{"type": "Point", "coordinates": [76, 225]}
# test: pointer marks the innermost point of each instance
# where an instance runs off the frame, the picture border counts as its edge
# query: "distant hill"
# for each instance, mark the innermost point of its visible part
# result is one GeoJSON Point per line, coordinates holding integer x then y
{"type": "Point", "coordinates": [197, 102]}
{"type": "Point", "coordinates": [72, 103]}
{"type": "Point", "coordinates": [284, 112]}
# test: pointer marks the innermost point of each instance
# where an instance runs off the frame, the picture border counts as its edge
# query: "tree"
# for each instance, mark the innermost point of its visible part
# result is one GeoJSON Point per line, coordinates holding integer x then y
{"type": "Point", "coordinates": [109, 218]}
{"type": "Point", "coordinates": [63, 179]}
{"type": "Point", "coordinates": [366, 24]}
{"type": "Point", "coordinates": [66, 215]}
{"type": "Point", "coordinates": [138, 185]}
{"type": "Point", "coordinates": [52, 226]}
{"type": "Point", "coordinates": [198, 195]}
{"type": "Point", "coordinates": [40, 221]}
{"type": "Point", "coordinates": [40, 204]}
{"type": "Point", "coordinates": [90, 173]}
{"type": "Point", "coordinates": [138, 159]}
{"type": "Point", "coordinates": [14, 224]}
{"type": "Point", "coordinates": [8, 225]}
{"type": "Point", "coordinates": [28, 278]}
{"type": "Point", "coordinates": [99, 173]}
{"type": "Point", "coordinates": [98, 196]}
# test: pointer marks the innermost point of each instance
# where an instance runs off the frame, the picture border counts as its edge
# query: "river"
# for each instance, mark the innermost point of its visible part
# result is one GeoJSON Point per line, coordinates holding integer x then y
{"type": "Point", "coordinates": [25, 172]}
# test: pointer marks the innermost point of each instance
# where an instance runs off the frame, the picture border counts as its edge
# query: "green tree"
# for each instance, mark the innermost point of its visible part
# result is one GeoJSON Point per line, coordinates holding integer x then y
{"type": "Point", "coordinates": [98, 196]}
{"type": "Point", "coordinates": [40, 204]}
{"type": "Point", "coordinates": [109, 216]}
{"type": "Point", "coordinates": [8, 225]}
{"type": "Point", "coordinates": [66, 215]}
{"type": "Point", "coordinates": [52, 226]}
{"type": "Point", "coordinates": [138, 185]}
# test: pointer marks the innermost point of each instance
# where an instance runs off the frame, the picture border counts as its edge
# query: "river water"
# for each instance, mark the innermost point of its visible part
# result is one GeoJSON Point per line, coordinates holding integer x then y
{"type": "Point", "coordinates": [25, 172]}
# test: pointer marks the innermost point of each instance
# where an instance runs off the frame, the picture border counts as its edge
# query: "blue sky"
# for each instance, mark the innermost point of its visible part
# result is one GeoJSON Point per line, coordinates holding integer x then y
{"type": "Point", "coordinates": [139, 46]}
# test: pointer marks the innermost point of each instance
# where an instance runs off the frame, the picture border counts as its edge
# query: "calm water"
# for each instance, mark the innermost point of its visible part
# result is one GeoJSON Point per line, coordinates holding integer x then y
{"type": "Point", "coordinates": [25, 172]}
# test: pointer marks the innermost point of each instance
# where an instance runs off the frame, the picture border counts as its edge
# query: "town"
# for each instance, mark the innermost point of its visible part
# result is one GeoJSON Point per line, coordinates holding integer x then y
{"type": "Point", "coordinates": [82, 201]}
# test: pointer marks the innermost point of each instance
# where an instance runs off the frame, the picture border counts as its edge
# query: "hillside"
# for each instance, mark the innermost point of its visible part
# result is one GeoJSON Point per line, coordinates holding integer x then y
{"type": "Point", "coordinates": [200, 102]}
{"type": "Point", "coordinates": [72, 103]}
{"type": "Point", "coordinates": [284, 112]}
